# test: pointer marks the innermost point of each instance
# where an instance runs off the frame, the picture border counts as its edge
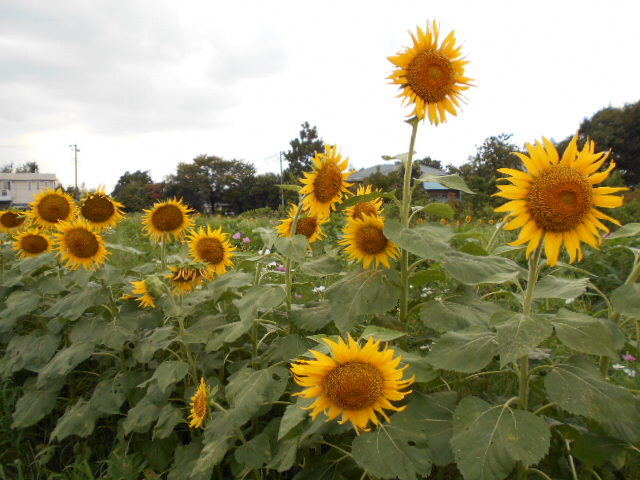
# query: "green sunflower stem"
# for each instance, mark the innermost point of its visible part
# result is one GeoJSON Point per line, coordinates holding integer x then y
{"type": "Point", "coordinates": [163, 251]}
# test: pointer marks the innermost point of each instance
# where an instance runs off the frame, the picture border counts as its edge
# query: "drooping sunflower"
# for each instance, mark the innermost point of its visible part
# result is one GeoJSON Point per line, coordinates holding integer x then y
{"type": "Point", "coordinates": [372, 207]}
{"type": "Point", "coordinates": [100, 210]}
{"type": "Point", "coordinates": [186, 279]}
{"type": "Point", "coordinates": [431, 76]}
{"type": "Point", "coordinates": [167, 219]}
{"type": "Point", "coordinates": [308, 225]}
{"type": "Point", "coordinates": [199, 405]}
{"type": "Point", "coordinates": [52, 206]}
{"type": "Point", "coordinates": [365, 241]}
{"type": "Point", "coordinates": [325, 186]}
{"type": "Point", "coordinates": [213, 248]}
{"type": "Point", "coordinates": [555, 200]}
{"type": "Point", "coordinates": [79, 245]}
{"type": "Point", "coordinates": [32, 242]}
{"type": "Point", "coordinates": [141, 293]}
{"type": "Point", "coordinates": [357, 382]}
{"type": "Point", "coordinates": [10, 221]}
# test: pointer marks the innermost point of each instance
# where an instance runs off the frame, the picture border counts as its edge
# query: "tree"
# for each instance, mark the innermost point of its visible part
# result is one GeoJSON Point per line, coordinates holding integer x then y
{"type": "Point", "coordinates": [29, 167]}
{"type": "Point", "coordinates": [132, 190]}
{"type": "Point", "coordinates": [430, 162]}
{"type": "Point", "coordinates": [302, 150]}
{"type": "Point", "coordinates": [8, 168]}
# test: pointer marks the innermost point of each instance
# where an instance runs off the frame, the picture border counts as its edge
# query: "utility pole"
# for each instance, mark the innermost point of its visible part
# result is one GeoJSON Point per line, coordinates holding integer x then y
{"type": "Point", "coordinates": [75, 159]}
{"type": "Point", "coordinates": [281, 181]}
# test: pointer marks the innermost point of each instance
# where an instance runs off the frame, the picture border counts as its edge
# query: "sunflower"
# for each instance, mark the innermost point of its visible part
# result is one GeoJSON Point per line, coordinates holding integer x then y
{"type": "Point", "coordinates": [100, 210]}
{"type": "Point", "coordinates": [213, 248]}
{"type": "Point", "coordinates": [325, 185]}
{"type": "Point", "coordinates": [167, 219]}
{"type": "Point", "coordinates": [468, 219]}
{"type": "Point", "coordinates": [52, 206]}
{"type": "Point", "coordinates": [366, 242]}
{"type": "Point", "coordinates": [185, 279]}
{"type": "Point", "coordinates": [372, 207]}
{"type": "Point", "coordinates": [431, 76]}
{"type": "Point", "coordinates": [555, 199]}
{"type": "Point", "coordinates": [199, 405]}
{"type": "Point", "coordinates": [11, 221]}
{"type": "Point", "coordinates": [308, 225]}
{"type": "Point", "coordinates": [141, 292]}
{"type": "Point", "coordinates": [32, 242]}
{"type": "Point", "coordinates": [79, 245]}
{"type": "Point", "coordinates": [357, 382]}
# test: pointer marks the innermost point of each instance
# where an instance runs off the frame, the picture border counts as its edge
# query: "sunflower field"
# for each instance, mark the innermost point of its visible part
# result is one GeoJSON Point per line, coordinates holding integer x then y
{"type": "Point", "coordinates": [361, 337]}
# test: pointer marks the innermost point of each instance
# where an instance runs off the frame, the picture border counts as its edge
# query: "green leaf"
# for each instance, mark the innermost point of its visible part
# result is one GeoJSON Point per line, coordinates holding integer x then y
{"type": "Point", "coordinates": [168, 418]}
{"type": "Point", "coordinates": [285, 455]}
{"type": "Point", "coordinates": [626, 299]}
{"type": "Point", "coordinates": [419, 366]}
{"type": "Point", "coordinates": [75, 304]}
{"type": "Point", "coordinates": [260, 297]}
{"type": "Point", "coordinates": [426, 240]}
{"type": "Point", "coordinates": [293, 416]}
{"type": "Point", "coordinates": [64, 361]}
{"type": "Point", "coordinates": [585, 334]}
{"type": "Point", "coordinates": [20, 303]}
{"type": "Point", "coordinates": [141, 416]}
{"type": "Point", "coordinates": [184, 460]}
{"type": "Point", "coordinates": [628, 230]}
{"type": "Point", "coordinates": [31, 352]}
{"type": "Point", "coordinates": [292, 346]}
{"type": "Point", "coordinates": [30, 265]}
{"type": "Point", "coordinates": [432, 274]}
{"type": "Point", "coordinates": [361, 293]}
{"type": "Point", "coordinates": [108, 397]}
{"type": "Point", "coordinates": [465, 351]}
{"type": "Point", "coordinates": [439, 209]}
{"type": "Point", "coordinates": [595, 450]}
{"type": "Point", "coordinates": [168, 373]}
{"type": "Point", "coordinates": [321, 267]}
{"type": "Point", "coordinates": [356, 199]}
{"type": "Point", "coordinates": [519, 334]}
{"type": "Point", "coordinates": [403, 157]}
{"type": "Point", "coordinates": [79, 420]}
{"type": "Point", "coordinates": [488, 439]}
{"type": "Point", "coordinates": [474, 270]}
{"type": "Point", "coordinates": [457, 313]}
{"type": "Point", "coordinates": [267, 235]}
{"type": "Point", "coordinates": [381, 333]}
{"type": "Point", "coordinates": [312, 318]}
{"type": "Point", "coordinates": [557, 287]}
{"type": "Point", "coordinates": [229, 281]}
{"type": "Point", "coordinates": [227, 334]}
{"type": "Point", "coordinates": [255, 453]}
{"type": "Point", "coordinates": [454, 182]}
{"type": "Point", "coordinates": [153, 341]}
{"type": "Point", "coordinates": [578, 388]}
{"type": "Point", "coordinates": [217, 440]}
{"type": "Point", "coordinates": [294, 248]}
{"type": "Point", "coordinates": [292, 188]}
{"type": "Point", "coordinates": [32, 406]}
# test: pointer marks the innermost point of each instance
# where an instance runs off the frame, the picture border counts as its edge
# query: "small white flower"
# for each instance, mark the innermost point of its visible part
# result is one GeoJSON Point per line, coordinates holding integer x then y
{"type": "Point", "coordinates": [319, 289]}
{"type": "Point", "coordinates": [628, 371]}
{"type": "Point", "coordinates": [618, 366]}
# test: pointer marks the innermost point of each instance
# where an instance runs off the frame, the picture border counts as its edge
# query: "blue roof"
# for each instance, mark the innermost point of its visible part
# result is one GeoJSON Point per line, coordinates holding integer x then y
{"type": "Point", "coordinates": [433, 186]}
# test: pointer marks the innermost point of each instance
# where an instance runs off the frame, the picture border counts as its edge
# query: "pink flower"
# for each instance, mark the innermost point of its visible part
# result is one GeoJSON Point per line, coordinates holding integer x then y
{"type": "Point", "coordinates": [246, 240]}
{"type": "Point", "coordinates": [237, 235]}
{"type": "Point", "coordinates": [628, 357]}
{"type": "Point", "coordinates": [282, 268]}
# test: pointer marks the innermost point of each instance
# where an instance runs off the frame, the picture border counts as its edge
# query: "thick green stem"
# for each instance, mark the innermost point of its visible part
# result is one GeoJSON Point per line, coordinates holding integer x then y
{"type": "Point", "coordinates": [287, 283]}
{"type": "Point", "coordinates": [163, 251]}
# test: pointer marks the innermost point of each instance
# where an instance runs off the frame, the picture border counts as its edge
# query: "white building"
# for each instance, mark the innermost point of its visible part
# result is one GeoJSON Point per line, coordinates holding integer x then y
{"type": "Point", "coordinates": [19, 189]}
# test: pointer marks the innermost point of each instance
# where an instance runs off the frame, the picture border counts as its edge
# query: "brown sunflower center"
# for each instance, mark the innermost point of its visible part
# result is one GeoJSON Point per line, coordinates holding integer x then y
{"type": "Point", "coordinates": [11, 219]}
{"type": "Point", "coordinates": [34, 243]}
{"type": "Point", "coordinates": [210, 250]}
{"type": "Point", "coordinates": [430, 75]}
{"type": "Point", "coordinates": [560, 198]}
{"type": "Point", "coordinates": [371, 240]}
{"type": "Point", "coordinates": [327, 182]}
{"type": "Point", "coordinates": [167, 218]}
{"type": "Point", "coordinates": [306, 226]}
{"type": "Point", "coordinates": [354, 385]}
{"type": "Point", "coordinates": [53, 208]}
{"type": "Point", "coordinates": [200, 404]}
{"type": "Point", "coordinates": [364, 208]}
{"type": "Point", "coordinates": [81, 242]}
{"type": "Point", "coordinates": [97, 209]}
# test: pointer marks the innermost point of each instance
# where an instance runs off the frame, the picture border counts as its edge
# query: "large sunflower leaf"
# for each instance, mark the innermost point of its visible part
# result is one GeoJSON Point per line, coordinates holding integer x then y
{"type": "Point", "coordinates": [33, 406]}
{"type": "Point", "coordinates": [64, 361]}
{"type": "Point", "coordinates": [465, 351]}
{"type": "Point", "coordinates": [454, 181]}
{"type": "Point", "coordinates": [75, 304]}
{"type": "Point", "coordinates": [78, 420]}
{"type": "Point", "coordinates": [585, 334]}
{"type": "Point", "coordinates": [311, 318]}
{"type": "Point", "coordinates": [263, 297]}
{"type": "Point", "coordinates": [626, 299]}
{"type": "Point", "coordinates": [457, 313]}
{"type": "Point", "coordinates": [426, 241]}
{"type": "Point", "coordinates": [474, 270]}
{"type": "Point", "coordinates": [557, 287]}
{"type": "Point", "coordinates": [519, 334]}
{"type": "Point", "coordinates": [19, 303]}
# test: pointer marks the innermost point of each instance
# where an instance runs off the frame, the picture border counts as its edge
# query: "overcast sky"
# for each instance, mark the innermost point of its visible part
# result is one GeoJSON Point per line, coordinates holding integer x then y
{"type": "Point", "coordinates": [143, 85]}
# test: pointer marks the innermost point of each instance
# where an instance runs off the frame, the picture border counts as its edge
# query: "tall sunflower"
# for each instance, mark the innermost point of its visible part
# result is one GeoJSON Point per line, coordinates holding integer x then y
{"type": "Point", "coordinates": [52, 206]}
{"type": "Point", "coordinates": [365, 241]}
{"type": "Point", "coordinates": [357, 382]}
{"type": "Point", "coordinates": [100, 210]}
{"type": "Point", "coordinates": [325, 186]}
{"type": "Point", "coordinates": [372, 207]}
{"type": "Point", "coordinates": [308, 225]}
{"type": "Point", "coordinates": [213, 248]}
{"type": "Point", "coordinates": [555, 199]}
{"type": "Point", "coordinates": [32, 242]}
{"type": "Point", "coordinates": [431, 76]}
{"type": "Point", "coordinates": [10, 221]}
{"type": "Point", "coordinates": [199, 405]}
{"type": "Point", "coordinates": [79, 245]}
{"type": "Point", "coordinates": [168, 219]}
{"type": "Point", "coordinates": [185, 279]}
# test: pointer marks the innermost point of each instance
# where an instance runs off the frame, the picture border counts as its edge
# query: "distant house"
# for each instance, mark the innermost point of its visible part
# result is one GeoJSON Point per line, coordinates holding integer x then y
{"type": "Point", "coordinates": [436, 191]}
{"type": "Point", "coordinates": [19, 189]}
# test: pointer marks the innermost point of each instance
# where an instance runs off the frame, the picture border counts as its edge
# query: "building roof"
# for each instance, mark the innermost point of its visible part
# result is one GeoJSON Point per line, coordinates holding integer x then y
{"type": "Point", "coordinates": [387, 168]}
{"type": "Point", "coordinates": [28, 176]}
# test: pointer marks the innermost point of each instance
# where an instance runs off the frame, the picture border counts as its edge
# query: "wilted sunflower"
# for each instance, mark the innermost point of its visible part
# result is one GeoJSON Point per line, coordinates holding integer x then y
{"type": "Point", "coordinates": [308, 225]}
{"type": "Point", "coordinates": [141, 293]}
{"type": "Point", "coordinates": [372, 207]}
{"type": "Point", "coordinates": [199, 405]}
{"type": "Point", "coordinates": [32, 242]}
{"type": "Point", "coordinates": [213, 248]}
{"type": "Point", "coordinates": [366, 242]}
{"type": "Point", "coordinates": [79, 245]}
{"type": "Point", "coordinates": [357, 382]}
{"type": "Point", "coordinates": [100, 210]}
{"type": "Point", "coordinates": [185, 279]}
{"type": "Point", "coordinates": [52, 206]}
{"type": "Point", "coordinates": [167, 219]}
{"type": "Point", "coordinates": [11, 221]}
{"type": "Point", "coordinates": [555, 199]}
{"type": "Point", "coordinates": [325, 186]}
{"type": "Point", "coordinates": [431, 76]}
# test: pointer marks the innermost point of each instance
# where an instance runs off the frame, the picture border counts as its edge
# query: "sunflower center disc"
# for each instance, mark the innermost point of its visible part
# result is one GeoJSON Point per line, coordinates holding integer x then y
{"type": "Point", "coordinates": [354, 385]}
{"type": "Point", "coordinates": [210, 250]}
{"type": "Point", "coordinates": [364, 208]}
{"type": "Point", "coordinates": [53, 208]}
{"type": "Point", "coordinates": [167, 218]}
{"type": "Point", "coordinates": [97, 209]}
{"type": "Point", "coordinates": [430, 76]}
{"type": "Point", "coordinates": [306, 226]}
{"type": "Point", "coordinates": [560, 198]}
{"type": "Point", "coordinates": [34, 243]}
{"type": "Point", "coordinates": [371, 240]}
{"type": "Point", "coordinates": [327, 182]}
{"type": "Point", "coordinates": [200, 404]}
{"type": "Point", "coordinates": [11, 219]}
{"type": "Point", "coordinates": [81, 243]}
